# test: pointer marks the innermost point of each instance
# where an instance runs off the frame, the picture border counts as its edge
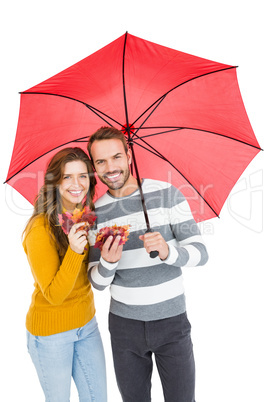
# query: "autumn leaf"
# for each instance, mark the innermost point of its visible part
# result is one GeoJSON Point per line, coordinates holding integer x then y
{"type": "Point", "coordinates": [114, 231]}
{"type": "Point", "coordinates": [67, 220]}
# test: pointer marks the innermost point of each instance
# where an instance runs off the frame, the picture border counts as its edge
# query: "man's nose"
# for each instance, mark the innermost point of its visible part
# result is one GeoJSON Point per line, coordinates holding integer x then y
{"type": "Point", "coordinates": [110, 166]}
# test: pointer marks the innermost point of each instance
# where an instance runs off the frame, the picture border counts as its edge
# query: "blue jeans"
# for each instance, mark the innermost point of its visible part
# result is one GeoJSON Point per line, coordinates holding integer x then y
{"type": "Point", "coordinates": [77, 353]}
{"type": "Point", "coordinates": [134, 342]}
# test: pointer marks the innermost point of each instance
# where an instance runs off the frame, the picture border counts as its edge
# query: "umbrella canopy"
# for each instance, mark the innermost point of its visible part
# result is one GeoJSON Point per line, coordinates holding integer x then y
{"type": "Point", "coordinates": [183, 114]}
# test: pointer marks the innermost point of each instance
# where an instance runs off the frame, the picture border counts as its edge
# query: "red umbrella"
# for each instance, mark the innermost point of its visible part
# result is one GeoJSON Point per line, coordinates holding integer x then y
{"type": "Point", "coordinates": [183, 114]}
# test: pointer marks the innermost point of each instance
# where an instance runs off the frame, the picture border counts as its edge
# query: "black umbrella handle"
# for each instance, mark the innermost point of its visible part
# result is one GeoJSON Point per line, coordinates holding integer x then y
{"type": "Point", "coordinates": [155, 253]}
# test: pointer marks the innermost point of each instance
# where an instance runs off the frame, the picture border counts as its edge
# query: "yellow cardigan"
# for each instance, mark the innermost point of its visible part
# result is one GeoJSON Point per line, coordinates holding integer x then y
{"type": "Point", "coordinates": [63, 298]}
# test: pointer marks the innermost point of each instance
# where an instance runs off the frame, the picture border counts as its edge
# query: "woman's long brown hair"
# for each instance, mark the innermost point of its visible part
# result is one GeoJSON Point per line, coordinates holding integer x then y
{"type": "Point", "coordinates": [48, 200]}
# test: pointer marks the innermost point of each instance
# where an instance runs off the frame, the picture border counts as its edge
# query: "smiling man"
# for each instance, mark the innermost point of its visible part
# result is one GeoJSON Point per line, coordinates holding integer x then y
{"type": "Point", "coordinates": [111, 161]}
{"type": "Point", "coordinates": [147, 311]}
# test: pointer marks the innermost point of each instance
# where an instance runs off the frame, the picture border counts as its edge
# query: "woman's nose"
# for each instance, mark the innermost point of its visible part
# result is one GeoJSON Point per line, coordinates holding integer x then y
{"type": "Point", "coordinates": [75, 181]}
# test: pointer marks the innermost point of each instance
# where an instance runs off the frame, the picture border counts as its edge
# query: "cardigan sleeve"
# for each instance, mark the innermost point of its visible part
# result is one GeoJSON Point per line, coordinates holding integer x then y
{"type": "Point", "coordinates": [55, 280]}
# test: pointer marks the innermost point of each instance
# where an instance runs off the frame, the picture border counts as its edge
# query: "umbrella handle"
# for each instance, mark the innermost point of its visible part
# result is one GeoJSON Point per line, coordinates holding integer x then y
{"type": "Point", "coordinates": [154, 253]}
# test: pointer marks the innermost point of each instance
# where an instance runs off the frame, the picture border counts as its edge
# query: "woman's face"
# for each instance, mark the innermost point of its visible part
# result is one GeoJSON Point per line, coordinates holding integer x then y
{"type": "Point", "coordinates": [74, 185]}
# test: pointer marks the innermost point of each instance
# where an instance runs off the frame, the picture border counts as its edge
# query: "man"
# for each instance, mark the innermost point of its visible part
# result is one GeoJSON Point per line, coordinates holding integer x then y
{"type": "Point", "coordinates": [147, 311]}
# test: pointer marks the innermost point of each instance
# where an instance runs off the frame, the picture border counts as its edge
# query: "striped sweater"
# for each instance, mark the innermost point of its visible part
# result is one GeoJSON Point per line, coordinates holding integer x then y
{"type": "Point", "coordinates": [143, 288]}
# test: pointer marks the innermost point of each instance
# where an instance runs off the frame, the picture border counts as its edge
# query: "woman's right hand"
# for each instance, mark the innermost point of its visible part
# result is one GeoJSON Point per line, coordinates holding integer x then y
{"type": "Point", "coordinates": [77, 238]}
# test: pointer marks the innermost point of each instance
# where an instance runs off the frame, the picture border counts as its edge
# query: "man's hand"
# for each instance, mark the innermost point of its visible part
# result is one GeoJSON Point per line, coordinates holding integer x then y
{"type": "Point", "coordinates": [112, 252]}
{"type": "Point", "coordinates": [154, 241]}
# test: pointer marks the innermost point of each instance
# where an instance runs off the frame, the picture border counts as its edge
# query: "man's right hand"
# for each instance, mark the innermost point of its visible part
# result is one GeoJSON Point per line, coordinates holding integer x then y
{"type": "Point", "coordinates": [112, 252]}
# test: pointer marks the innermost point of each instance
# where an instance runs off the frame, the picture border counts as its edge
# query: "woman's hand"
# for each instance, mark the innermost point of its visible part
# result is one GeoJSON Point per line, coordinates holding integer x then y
{"type": "Point", "coordinates": [77, 238]}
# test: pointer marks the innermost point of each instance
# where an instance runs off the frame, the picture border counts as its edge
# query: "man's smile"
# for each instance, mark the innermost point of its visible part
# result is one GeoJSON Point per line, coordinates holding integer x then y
{"type": "Point", "coordinates": [112, 176]}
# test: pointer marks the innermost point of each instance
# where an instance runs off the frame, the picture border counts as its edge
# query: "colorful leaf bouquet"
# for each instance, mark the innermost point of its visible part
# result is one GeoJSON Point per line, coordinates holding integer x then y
{"type": "Point", "coordinates": [114, 231]}
{"type": "Point", "coordinates": [67, 219]}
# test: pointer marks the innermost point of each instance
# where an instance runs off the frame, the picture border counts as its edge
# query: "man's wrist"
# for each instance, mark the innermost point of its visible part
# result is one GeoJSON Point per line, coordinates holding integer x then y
{"type": "Point", "coordinates": [172, 255]}
{"type": "Point", "coordinates": [107, 264]}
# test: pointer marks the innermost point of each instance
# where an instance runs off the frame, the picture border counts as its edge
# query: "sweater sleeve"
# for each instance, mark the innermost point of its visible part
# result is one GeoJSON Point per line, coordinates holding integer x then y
{"type": "Point", "coordinates": [101, 274]}
{"type": "Point", "coordinates": [189, 249]}
{"type": "Point", "coordinates": [55, 280]}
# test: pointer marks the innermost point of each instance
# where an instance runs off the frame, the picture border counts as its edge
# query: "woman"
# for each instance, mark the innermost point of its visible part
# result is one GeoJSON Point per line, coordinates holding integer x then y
{"type": "Point", "coordinates": [62, 332]}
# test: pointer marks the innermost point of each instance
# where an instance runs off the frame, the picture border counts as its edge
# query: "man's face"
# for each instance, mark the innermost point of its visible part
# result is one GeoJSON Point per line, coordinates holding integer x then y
{"type": "Point", "coordinates": [111, 163]}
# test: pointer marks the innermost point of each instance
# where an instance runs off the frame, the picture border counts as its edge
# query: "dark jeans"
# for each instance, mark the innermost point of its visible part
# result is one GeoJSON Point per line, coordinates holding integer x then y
{"type": "Point", "coordinates": [133, 343]}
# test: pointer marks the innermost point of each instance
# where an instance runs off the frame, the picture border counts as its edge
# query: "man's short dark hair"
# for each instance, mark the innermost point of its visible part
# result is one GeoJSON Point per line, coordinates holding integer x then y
{"type": "Point", "coordinates": [107, 133]}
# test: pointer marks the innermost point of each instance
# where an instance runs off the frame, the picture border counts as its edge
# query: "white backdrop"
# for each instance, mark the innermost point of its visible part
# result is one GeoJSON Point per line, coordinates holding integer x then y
{"type": "Point", "coordinates": [227, 298]}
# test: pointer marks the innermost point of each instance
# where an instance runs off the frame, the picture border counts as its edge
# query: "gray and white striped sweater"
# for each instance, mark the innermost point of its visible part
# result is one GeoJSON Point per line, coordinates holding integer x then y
{"type": "Point", "coordinates": [143, 288]}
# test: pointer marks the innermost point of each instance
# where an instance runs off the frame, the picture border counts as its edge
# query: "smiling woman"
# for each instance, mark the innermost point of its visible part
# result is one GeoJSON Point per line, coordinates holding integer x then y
{"type": "Point", "coordinates": [69, 180]}
{"type": "Point", "coordinates": [62, 331]}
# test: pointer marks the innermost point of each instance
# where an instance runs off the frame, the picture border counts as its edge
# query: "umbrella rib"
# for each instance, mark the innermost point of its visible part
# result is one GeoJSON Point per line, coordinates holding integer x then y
{"type": "Point", "coordinates": [172, 129]}
{"type": "Point", "coordinates": [96, 111]}
{"type": "Point", "coordinates": [92, 108]}
{"type": "Point", "coordinates": [179, 85]}
{"type": "Point", "coordinates": [53, 149]}
{"type": "Point", "coordinates": [161, 100]}
{"type": "Point", "coordinates": [161, 132]}
{"type": "Point", "coordinates": [149, 150]}
{"type": "Point", "coordinates": [152, 150]}
{"type": "Point", "coordinates": [157, 153]}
